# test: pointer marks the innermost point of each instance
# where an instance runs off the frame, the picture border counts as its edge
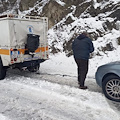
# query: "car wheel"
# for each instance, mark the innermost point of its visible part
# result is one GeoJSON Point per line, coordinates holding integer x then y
{"type": "Point", "coordinates": [111, 87]}
{"type": "Point", "coordinates": [2, 71]}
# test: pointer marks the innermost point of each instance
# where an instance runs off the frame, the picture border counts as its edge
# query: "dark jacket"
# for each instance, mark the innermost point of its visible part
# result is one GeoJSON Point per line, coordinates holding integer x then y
{"type": "Point", "coordinates": [82, 47]}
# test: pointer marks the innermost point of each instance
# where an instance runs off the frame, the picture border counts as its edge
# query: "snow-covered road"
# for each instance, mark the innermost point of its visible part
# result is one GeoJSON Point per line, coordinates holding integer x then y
{"type": "Point", "coordinates": [44, 97]}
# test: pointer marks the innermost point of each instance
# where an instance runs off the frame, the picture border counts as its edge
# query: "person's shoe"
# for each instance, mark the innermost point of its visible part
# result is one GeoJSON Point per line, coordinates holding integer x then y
{"type": "Point", "coordinates": [83, 87]}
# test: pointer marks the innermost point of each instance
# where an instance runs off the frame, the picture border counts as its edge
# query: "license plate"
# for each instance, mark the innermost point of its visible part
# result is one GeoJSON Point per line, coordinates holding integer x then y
{"type": "Point", "coordinates": [14, 54]}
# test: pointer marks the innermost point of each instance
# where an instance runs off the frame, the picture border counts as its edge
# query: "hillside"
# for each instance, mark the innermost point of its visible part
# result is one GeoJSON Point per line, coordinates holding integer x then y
{"type": "Point", "coordinates": [100, 18]}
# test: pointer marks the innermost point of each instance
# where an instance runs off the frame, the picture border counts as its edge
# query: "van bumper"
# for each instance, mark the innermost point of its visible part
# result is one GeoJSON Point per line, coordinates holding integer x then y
{"type": "Point", "coordinates": [28, 63]}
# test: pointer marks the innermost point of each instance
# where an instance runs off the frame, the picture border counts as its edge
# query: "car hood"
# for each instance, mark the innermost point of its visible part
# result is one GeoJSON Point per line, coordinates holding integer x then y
{"type": "Point", "coordinates": [110, 64]}
{"type": "Point", "coordinates": [113, 63]}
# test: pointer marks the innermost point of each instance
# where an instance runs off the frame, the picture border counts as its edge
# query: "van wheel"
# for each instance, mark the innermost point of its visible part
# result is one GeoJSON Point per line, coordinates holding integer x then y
{"type": "Point", "coordinates": [34, 68]}
{"type": "Point", "coordinates": [2, 71]}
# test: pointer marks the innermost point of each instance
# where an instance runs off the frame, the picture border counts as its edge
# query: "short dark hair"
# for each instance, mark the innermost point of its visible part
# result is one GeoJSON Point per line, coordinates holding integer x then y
{"type": "Point", "coordinates": [84, 33]}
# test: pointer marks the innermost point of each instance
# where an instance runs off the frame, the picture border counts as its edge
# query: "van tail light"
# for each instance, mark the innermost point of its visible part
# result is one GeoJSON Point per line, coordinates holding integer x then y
{"type": "Point", "coordinates": [14, 54]}
{"type": "Point", "coordinates": [15, 59]}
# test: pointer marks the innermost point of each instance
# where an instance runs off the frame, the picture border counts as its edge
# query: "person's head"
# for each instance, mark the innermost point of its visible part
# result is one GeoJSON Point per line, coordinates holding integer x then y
{"type": "Point", "coordinates": [85, 33]}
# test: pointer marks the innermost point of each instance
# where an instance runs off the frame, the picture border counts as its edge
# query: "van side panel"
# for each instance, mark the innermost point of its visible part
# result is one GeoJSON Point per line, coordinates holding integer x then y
{"type": "Point", "coordinates": [4, 42]}
{"type": "Point", "coordinates": [22, 28]}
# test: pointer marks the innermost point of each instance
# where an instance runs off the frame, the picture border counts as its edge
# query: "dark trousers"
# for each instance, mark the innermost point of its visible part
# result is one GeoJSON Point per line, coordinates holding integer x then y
{"type": "Point", "coordinates": [82, 70]}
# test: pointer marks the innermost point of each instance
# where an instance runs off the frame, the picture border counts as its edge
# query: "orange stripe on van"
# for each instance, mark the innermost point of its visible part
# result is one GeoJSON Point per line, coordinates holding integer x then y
{"type": "Point", "coordinates": [4, 52]}
{"type": "Point", "coordinates": [42, 49]}
{"type": "Point", "coordinates": [7, 52]}
{"type": "Point", "coordinates": [22, 51]}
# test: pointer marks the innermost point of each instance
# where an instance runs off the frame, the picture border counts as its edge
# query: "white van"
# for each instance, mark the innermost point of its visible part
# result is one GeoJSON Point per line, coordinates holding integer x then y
{"type": "Point", "coordinates": [23, 42]}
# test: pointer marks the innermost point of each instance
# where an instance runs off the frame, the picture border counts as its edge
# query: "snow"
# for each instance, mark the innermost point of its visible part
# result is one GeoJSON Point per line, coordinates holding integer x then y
{"type": "Point", "coordinates": [64, 65]}
{"type": "Point", "coordinates": [102, 4]}
{"type": "Point", "coordinates": [29, 97]}
{"type": "Point", "coordinates": [67, 65]}
{"type": "Point", "coordinates": [53, 93]}
{"type": "Point", "coordinates": [96, 4]}
{"type": "Point", "coordinates": [38, 5]}
{"type": "Point", "coordinates": [60, 2]}
{"type": "Point", "coordinates": [3, 117]}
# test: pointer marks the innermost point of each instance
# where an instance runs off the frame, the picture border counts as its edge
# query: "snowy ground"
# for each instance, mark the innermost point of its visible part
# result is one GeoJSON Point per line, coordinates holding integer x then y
{"type": "Point", "coordinates": [53, 94]}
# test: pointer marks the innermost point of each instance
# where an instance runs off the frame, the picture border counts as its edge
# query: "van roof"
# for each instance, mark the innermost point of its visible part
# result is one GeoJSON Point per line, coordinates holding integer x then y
{"type": "Point", "coordinates": [21, 16]}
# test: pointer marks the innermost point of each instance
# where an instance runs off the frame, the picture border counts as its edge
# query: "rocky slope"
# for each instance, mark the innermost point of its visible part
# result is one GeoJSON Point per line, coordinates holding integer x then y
{"type": "Point", "coordinates": [67, 18]}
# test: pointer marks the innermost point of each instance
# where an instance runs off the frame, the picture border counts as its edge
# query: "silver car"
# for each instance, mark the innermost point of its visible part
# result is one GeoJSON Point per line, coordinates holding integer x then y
{"type": "Point", "coordinates": [108, 77]}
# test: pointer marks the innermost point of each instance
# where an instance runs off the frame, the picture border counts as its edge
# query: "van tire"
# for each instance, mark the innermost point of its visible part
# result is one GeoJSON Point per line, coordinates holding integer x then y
{"type": "Point", "coordinates": [2, 71]}
{"type": "Point", "coordinates": [34, 68]}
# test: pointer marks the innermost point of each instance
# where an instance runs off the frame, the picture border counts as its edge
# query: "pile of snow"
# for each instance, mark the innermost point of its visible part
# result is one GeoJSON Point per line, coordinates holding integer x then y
{"type": "Point", "coordinates": [59, 63]}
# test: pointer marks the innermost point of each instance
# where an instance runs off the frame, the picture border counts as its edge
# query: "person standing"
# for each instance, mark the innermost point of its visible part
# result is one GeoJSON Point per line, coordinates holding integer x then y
{"type": "Point", "coordinates": [82, 46]}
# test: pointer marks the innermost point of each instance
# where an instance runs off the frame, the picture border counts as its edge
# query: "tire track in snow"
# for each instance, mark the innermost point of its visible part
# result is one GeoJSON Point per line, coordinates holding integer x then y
{"type": "Point", "coordinates": [62, 80]}
{"type": "Point", "coordinates": [56, 78]}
